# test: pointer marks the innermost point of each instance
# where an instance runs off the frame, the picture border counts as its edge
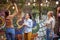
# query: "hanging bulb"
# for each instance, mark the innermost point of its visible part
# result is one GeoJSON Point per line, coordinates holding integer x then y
{"type": "Point", "coordinates": [13, 7]}
{"type": "Point", "coordinates": [57, 2]}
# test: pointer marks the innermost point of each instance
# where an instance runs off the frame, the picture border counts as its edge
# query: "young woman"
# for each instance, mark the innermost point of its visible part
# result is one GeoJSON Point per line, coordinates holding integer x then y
{"type": "Point", "coordinates": [50, 23]}
{"type": "Point", "coordinates": [28, 24]}
{"type": "Point", "coordinates": [20, 28]}
{"type": "Point", "coordinates": [10, 31]}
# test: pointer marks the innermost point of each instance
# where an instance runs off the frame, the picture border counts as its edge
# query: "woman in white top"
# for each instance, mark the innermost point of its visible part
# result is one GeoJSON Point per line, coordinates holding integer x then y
{"type": "Point", "coordinates": [50, 23]}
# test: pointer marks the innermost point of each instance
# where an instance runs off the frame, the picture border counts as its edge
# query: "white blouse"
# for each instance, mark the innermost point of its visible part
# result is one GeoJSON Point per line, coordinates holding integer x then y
{"type": "Point", "coordinates": [50, 23]}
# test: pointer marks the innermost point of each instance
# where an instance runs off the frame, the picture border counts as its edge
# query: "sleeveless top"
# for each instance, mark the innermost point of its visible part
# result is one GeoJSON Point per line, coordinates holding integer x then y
{"type": "Point", "coordinates": [8, 22]}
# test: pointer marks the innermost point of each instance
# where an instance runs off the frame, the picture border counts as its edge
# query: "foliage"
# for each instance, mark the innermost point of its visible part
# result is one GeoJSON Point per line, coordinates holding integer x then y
{"type": "Point", "coordinates": [35, 29]}
{"type": "Point", "coordinates": [44, 10]}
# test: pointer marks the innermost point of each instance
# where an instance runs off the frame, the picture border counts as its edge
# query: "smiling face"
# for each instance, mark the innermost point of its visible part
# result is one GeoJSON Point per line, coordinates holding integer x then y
{"type": "Point", "coordinates": [27, 16]}
{"type": "Point", "coordinates": [50, 14]}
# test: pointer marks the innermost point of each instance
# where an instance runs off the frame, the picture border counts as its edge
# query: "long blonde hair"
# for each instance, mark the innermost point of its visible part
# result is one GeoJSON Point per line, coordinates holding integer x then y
{"type": "Point", "coordinates": [51, 13]}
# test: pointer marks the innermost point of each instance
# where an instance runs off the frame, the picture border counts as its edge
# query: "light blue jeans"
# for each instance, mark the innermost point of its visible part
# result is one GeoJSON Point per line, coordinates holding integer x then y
{"type": "Point", "coordinates": [48, 31]}
{"type": "Point", "coordinates": [10, 33]}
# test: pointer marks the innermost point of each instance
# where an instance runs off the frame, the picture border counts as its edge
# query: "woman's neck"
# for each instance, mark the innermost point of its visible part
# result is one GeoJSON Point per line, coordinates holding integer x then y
{"type": "Point", "coordinates": [49, 18]}
{"type": "Point", "coordinates": [27, 18]}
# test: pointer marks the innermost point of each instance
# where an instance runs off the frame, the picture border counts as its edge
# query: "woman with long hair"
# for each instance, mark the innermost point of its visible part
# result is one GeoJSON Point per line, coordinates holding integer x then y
{"type": "Point", "coordinates": [28, 24]}
{"type": "Point", "coordinates": [10, 30]}
{"type": "Point", "coordinates": [20, 28]}
{"type": "Point", "coordinates": [50, 23]}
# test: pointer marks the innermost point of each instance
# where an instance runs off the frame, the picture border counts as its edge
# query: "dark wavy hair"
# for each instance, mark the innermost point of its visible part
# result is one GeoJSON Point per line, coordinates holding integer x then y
{"type": "Point", "coordinates": [6, 13]}
{"type": "Point", "coordinates": [29, 15]}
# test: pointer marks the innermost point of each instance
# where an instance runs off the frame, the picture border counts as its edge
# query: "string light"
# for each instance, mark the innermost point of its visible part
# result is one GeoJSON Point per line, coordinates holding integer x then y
{"type": "Point", "coordinates": [57, 2]}
{"type": "Point", "coordinates": [13, 7]}
{"type": "Point", "coordinates": [41, 4]}
{"type": "Point", "coordinates": [28, 3]}
{"type": "Point", "coordinates": [46, 1]}
{"type": "Point", "coordinates": [34, 0]}
{"type": "Point", "coordinates": [33, 4]}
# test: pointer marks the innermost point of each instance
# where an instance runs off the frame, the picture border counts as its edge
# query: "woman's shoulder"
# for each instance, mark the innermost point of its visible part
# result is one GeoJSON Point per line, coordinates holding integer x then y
{"type": "Point", "coordinates": [30, 20]}
{"type": "Point", "coordinates": [52, 19]}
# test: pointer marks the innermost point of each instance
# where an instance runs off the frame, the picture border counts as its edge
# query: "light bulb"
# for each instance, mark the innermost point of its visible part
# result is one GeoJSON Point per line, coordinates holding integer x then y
{"type": "Point", "coordinates": [41, 4]}
{"type": "Point", "coordinates": [57, 2]}
{"type": "Point", "coordinates": [13, 7]}
{"type": "Point", "coordinates": [29, 3]}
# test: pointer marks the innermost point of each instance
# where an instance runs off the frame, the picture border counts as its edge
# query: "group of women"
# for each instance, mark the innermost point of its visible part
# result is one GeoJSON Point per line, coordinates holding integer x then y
{"type": "Point", "coordinates": [25, 25]}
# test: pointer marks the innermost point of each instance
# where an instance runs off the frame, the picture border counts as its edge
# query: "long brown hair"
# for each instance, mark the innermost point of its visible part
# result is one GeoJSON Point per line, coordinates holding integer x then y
{"type": "Point", "coordinates": [6, 13]}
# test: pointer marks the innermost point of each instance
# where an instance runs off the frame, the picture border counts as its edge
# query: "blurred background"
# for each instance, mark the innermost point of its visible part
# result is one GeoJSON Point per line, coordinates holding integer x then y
{"type": "Point", "coordinates": [38, 9]}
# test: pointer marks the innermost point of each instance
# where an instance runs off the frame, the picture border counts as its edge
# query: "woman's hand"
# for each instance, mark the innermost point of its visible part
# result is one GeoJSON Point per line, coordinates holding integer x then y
{"type": "Point", "coordinates": [15, 4]}
{"type": "Point", "coordinates": [16, 7]}
{"type": "Point", "coordinates": [24, 24]}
